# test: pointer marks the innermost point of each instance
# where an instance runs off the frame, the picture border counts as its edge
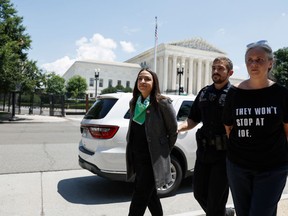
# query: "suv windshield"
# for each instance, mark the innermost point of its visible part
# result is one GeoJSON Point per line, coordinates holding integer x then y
{"type": "Point", "coordinates": [100, 108]}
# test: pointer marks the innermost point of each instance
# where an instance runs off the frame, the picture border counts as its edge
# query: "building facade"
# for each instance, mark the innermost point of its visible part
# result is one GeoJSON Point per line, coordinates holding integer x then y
{"type": "Point", "coordinates": [181, 66]}
{"type": "Point", "coordinates": [109, 74]}
{"type": "Point", "coordinates": [191, 57]}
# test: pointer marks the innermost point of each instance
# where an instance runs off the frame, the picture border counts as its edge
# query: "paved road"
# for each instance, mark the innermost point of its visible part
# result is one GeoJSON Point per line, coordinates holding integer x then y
{"type": "Point", "coordinates": [29, 145]}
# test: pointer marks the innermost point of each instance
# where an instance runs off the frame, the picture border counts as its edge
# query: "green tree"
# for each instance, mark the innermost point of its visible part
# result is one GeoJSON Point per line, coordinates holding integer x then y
{"type": "Point", "coordinates": [118, 88]}
{"type": "Point", "coordinates": [121, 88]}
{"type": "Point", "coordinates": [109, 90]}
{"type": "Point", "coordinates": [33, 77]}
{"type": "Point", "coordinates": [55, 84]}
{"type": "Point", "coordinates": [280, 70]}
{"type": "Point", "coordinates": [76, 87]}
{"type": "Point", "coordinates": [127, 89]}
{"type": "Point", "coordinates": [14, 43]}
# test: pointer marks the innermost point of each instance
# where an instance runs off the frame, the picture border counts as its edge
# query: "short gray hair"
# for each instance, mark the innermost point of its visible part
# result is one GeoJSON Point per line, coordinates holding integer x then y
{"type": "Point", "coordinates": [263, 44]}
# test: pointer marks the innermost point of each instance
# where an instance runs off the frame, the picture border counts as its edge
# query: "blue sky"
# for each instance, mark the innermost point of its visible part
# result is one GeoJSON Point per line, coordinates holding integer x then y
{"type": "Point", "coordinates": [63, 31]}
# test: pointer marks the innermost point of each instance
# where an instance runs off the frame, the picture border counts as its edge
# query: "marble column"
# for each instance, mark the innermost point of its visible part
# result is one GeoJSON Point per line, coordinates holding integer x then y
{"type": "Point", "coordinates": [183, 80]}
{"type": "Point", "coordinates": [207, 72]}
{"type": "Point", "coordinates": [165, 73]}
{"type": "Point", "coordinates": [174, 72]}
{"type": "Point", "coordinates": [191, 61]}
{"type": "Point", "coordinates": [199, 75]}
{"type": "Point", "coordinates": [160, 72]}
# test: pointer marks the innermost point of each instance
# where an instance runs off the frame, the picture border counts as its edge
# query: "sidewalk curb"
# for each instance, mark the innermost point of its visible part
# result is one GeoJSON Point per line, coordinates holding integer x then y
{"type": "Point", "coordinates": [26, 118]}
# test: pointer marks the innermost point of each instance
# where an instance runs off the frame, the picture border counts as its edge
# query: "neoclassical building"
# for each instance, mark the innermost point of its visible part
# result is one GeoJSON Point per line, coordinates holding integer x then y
{"type": "Point", "coordinates": [107, 74]}
{"type": "Point", "coordinates": [193, 58]}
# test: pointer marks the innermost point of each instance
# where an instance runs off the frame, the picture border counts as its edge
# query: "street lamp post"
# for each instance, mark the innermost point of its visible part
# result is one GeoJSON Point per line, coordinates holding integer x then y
{"type": "Point", "coordinates": [17, 89]}
{"type": "Point", "coordinates": [180, 71]}
{"type": "Point", "coordinates": [97, 71]}
{"type": "Point", "coordinates": [13, 118]}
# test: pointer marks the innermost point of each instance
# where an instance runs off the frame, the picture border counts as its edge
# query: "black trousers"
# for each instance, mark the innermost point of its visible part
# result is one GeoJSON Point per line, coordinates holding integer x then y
{"type": "Point", "coordinates": [145, 192]}
{"type": "Point", "coordinates": [211, 187]}
{"type": "Point", "coordinates": [256, 192]}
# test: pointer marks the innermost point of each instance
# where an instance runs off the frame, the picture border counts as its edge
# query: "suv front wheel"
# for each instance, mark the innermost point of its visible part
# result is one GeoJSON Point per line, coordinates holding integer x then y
{"type": "Point", "coordinates": [177, 174]}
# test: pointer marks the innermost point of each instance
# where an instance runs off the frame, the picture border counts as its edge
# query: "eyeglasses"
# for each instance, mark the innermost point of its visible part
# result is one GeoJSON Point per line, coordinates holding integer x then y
{"type": "Point", "coordinates": [260, 42]}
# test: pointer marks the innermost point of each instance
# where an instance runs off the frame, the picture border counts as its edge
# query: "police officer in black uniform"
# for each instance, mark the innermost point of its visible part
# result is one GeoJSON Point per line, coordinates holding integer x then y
{"type": "Point", "coordinates": [210, 180]}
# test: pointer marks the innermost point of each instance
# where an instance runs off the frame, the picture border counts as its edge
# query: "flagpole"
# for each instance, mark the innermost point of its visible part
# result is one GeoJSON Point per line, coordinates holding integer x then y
{"type": "Point", "coordinates": [155, 46]}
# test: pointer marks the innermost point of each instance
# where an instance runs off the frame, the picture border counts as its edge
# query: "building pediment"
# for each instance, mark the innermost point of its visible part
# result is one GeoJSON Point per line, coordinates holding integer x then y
{"type": "Point", "coordinates": [198, 44]}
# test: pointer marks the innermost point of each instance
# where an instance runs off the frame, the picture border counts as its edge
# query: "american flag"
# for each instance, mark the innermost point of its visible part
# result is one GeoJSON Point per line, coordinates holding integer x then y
{"type": "Point", "coordinates": [156, 30]}
{"type": "Point", "coordinates": [155, 47]}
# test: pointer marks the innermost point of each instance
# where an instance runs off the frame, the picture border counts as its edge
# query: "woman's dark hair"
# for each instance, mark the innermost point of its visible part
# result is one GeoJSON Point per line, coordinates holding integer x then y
{"type": "Point", "coordinates": [155, 94]}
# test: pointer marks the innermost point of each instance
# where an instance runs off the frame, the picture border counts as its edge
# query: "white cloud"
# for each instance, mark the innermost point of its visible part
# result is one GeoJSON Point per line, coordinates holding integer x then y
{"type": "Point", "coordinates": [127, 46]}
{"type": "Point", "coordinates": [59, 66]}
{"type": "Point", "coordinates": [283, 14]}
{"type": "Point", "coordinates": [95, 48]}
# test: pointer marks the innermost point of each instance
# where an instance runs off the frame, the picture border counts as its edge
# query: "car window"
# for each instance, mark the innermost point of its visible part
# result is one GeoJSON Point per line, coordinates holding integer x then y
{"type": "Point", "coordinates": [100, 108]}
{"type": "Point", "coordinates": [127, 115]}
{"type": "Point", "coordinates": [184, 110]}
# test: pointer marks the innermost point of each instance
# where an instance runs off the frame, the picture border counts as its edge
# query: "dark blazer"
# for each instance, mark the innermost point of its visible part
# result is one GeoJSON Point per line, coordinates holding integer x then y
{"type": "Point", "coordinates": [161, 133]}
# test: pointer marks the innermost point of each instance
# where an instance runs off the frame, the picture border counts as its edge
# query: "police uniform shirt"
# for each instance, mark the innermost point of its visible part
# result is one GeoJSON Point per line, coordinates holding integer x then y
{"type": "Point", "coordinates": [208, 107]}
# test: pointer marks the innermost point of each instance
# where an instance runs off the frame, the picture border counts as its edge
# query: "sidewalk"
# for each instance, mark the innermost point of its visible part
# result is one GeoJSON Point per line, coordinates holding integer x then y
{"type": "Point", "coordinates": [27, 190]}
{"type": "Point", "coordinates": [77, 192]}
{"type": "Point", "coordinates": [73, 193]}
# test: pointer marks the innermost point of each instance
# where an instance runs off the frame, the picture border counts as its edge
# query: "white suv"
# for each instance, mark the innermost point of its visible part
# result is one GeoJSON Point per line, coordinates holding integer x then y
{"type": "Point", "coordinates": [102, 147]}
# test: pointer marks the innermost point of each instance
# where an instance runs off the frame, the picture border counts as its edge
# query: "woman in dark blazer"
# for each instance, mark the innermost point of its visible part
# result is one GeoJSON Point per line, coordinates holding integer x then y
{"type": "Point", "coordinates": [151, 136]}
